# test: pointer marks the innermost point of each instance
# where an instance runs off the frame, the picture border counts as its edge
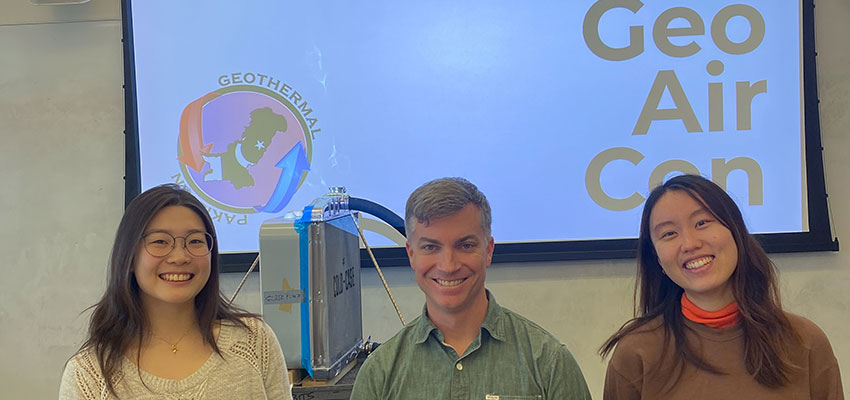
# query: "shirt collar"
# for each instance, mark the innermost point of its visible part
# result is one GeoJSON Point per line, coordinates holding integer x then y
{"type": "Point", "coordinates": [493, 322]}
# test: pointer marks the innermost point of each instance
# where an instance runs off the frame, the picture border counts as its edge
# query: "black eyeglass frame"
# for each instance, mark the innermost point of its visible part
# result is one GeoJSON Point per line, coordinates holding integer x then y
{"type": "Point", "coordinates": [210, 243]}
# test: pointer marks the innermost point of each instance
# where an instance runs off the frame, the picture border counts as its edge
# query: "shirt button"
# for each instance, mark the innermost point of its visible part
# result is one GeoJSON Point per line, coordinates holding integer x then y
{"type": "Point", "coordinates": [459, 366]}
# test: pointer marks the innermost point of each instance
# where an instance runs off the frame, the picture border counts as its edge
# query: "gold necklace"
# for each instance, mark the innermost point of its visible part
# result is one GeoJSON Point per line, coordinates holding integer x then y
{"type": "Point", "coordinates": [174, 348]}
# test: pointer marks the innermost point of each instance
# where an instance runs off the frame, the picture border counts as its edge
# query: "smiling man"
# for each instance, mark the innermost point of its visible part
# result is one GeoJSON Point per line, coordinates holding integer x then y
{"type": "Point", "coordinates": [464, 345]}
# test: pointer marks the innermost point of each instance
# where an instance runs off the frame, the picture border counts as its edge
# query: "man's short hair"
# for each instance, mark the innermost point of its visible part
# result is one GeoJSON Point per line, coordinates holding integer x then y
{"type": "Point", "coordinates": [443, 197]}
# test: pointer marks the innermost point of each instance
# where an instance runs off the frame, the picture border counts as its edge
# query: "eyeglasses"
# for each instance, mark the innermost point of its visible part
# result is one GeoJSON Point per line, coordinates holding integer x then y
{"type": "Point", "coordinates": [160, 244]}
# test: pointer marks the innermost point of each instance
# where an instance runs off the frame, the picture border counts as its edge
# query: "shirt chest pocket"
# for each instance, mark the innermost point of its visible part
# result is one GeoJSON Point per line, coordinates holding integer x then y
{"type": "Point", "coordinates": [509, 397]}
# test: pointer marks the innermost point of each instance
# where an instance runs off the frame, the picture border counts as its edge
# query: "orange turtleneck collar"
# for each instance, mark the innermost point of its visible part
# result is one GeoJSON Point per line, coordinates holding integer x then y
{"type": "Point", "coordinates": [723, 318]}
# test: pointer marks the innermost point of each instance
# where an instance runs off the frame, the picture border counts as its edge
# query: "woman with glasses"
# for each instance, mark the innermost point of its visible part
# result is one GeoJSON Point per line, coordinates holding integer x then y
{"type": "Point", "coordinates": [163, 329]}
{"type": "Point", "coordinates": [709, 323]}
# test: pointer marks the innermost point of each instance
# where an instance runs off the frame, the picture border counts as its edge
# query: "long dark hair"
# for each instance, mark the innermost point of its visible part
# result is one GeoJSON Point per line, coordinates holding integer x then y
{"type": "Point", "coordinates": [118, 319]}
{"type": "Point", "coordinates": [767, 332]}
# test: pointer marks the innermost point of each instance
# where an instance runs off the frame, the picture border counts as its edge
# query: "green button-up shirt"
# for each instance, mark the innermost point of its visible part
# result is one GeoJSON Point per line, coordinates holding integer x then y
{"type": "Point", "coordinates": [511, 358]}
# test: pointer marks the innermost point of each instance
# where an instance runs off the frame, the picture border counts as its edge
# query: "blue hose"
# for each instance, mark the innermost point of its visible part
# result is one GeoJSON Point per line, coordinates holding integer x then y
{"type": "Point", "coordinates": [383, 213]}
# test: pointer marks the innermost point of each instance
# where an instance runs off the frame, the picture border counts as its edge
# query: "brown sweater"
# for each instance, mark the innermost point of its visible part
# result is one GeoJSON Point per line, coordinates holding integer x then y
{"type": "Point", "coordinates": [630, 376]}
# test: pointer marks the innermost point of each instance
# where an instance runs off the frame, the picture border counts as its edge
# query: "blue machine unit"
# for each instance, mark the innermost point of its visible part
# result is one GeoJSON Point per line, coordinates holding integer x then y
{"type": "Point", "coordinates": [310, 284]}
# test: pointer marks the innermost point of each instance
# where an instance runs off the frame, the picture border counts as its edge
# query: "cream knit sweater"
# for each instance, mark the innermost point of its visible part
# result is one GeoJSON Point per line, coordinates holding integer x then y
{"type": "Point", "coordinates": [251, 366]}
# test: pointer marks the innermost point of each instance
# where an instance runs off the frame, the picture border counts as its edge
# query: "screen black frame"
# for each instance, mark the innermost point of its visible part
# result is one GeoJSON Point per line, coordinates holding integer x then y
{"type": "Point", "coordinates": [818, 238]}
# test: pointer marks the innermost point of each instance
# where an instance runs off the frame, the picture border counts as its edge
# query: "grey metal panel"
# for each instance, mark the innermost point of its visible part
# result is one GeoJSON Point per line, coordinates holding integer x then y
{"type": "Point", "coordinates": [332, 290]}
{"type": "Point", "coordinates": [336, 319]}
{"type": "Point", "coordinates": [280, 260]}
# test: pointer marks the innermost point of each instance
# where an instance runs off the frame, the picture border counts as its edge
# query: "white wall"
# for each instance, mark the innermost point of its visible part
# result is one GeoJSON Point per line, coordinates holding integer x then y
{"type": "Point", "coordinates": [61, 168]}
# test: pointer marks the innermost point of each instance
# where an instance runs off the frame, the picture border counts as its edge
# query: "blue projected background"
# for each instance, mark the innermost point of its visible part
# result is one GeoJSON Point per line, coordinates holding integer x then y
{"type": "Point", "coordinates": [562, 113]}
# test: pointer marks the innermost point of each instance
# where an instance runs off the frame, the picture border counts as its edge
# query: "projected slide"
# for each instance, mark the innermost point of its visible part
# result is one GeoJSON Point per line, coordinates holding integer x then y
{"type": "Point", "coordinates": [565, 113]}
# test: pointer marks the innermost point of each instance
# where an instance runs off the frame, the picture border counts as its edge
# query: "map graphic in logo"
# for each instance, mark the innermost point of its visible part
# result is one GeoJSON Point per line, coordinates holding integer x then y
{"type": "Point", "coordinates": [244, 149]}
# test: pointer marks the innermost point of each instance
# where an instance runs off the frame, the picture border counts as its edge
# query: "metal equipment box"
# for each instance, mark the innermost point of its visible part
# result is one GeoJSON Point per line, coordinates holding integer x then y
{"type": "Point", "coordinates": [310, 283]}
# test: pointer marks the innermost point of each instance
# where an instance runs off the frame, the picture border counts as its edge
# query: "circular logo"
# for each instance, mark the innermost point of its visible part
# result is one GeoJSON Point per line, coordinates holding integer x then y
{"type": "Point", "coordinates": [244, 149]}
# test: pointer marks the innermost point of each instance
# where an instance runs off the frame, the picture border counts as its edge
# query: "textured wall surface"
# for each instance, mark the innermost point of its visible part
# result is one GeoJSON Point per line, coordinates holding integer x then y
{"type": "Point", "coordinates": [61, 172]}
{"type": "Point", "coordinates": [61, 169]}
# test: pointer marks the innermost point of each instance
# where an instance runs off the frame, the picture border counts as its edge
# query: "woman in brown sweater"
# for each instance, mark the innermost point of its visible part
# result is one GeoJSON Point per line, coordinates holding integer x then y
{"type": "Point", "coordinates": [709, 323]}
